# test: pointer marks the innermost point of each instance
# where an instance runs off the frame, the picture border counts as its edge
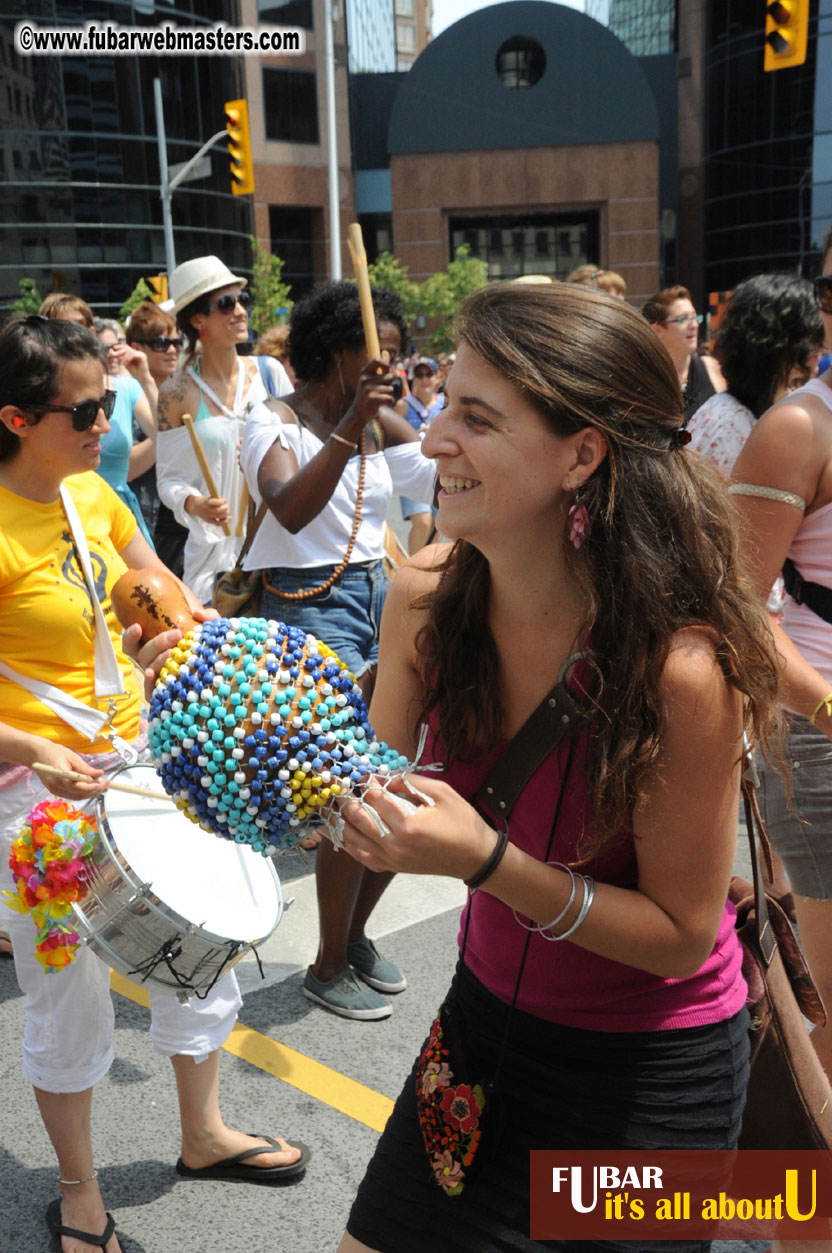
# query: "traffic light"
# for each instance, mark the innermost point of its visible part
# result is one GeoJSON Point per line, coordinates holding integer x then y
{"type": "Point", "coordinates": [158, 285]}
{"type": "Point", "coordinates": [787, 33]}
{"type": "Point", "coordinates": [239, 147]}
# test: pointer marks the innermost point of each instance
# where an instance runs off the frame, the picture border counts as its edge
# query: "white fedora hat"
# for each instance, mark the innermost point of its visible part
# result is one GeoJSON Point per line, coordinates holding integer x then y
{"type": "Point", "coordinates": [196, 278]}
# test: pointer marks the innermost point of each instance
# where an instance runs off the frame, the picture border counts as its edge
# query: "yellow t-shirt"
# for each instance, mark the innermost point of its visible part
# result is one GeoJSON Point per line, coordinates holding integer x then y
{"type": "Point", "coordinates": [46, 616]}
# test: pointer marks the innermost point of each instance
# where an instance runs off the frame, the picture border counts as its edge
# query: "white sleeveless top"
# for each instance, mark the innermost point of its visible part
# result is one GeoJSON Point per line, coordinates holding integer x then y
{"type": "Point", "coordinates": [401, 469]}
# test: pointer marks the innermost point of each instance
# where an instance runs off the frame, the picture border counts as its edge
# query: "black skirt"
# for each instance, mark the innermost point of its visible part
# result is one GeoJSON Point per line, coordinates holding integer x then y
{"type": "Point", "coordinates": [557, 1088]}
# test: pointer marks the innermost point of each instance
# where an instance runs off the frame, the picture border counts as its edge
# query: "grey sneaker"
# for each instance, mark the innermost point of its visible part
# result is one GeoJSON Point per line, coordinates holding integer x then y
{"type": "Point", "coordinates": [346, 995]}
{"type": "Point", "coordinates": [374, 969]}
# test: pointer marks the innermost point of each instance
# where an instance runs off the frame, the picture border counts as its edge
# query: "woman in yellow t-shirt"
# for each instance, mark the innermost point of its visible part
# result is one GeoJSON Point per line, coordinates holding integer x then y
{"type": "Point", "coordinates": [53, 414]}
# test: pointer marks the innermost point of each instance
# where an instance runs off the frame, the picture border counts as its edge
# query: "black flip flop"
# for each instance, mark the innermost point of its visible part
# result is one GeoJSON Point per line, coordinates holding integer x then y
{"type": "Point", "coordinates": [53, 1222]}
{"type": "Point", "coordinates": [235, 1168]}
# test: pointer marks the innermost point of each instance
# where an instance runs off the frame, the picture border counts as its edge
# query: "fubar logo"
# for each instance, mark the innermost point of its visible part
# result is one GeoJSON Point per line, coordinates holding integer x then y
{"type": "Point", "coordinates": [681, 1195]}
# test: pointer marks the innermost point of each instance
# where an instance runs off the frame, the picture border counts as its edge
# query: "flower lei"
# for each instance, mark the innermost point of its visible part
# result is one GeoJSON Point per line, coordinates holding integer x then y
{"type": "Point", "coordinates": [449, 1114]}
{"type": "Point", "coordinates": [47, 861]}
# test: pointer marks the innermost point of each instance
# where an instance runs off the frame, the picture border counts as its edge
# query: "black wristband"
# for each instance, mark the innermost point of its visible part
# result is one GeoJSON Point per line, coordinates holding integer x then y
{"type": "Point", "coordinates": [491, 863]}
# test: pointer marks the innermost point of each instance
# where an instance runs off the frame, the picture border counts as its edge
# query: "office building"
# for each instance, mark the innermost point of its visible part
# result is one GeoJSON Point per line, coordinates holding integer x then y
{"type": "Point", "coordinates": [80, 198]}
{"type": "Point", "coordinates": [646, 27]}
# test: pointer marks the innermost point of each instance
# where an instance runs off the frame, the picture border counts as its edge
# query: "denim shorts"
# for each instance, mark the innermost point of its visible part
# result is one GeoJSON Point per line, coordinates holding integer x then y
{"type": "Point", "coordinates": [346, 617]}
{"type": "Point", "coordinates": [410, 506]}
{"type": "Point", "coordinates": [801, 833]}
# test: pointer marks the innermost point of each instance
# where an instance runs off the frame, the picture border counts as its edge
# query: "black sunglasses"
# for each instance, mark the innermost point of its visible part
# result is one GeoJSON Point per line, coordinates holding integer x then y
{"type": "Point", "coordinates": [83, 414]}
{"type": "Point", "coordinates": [161, 343]}
{"type": "Point", "coordinates": [227, 303]}
{"type": "Point", "coordinates": [823, 293]}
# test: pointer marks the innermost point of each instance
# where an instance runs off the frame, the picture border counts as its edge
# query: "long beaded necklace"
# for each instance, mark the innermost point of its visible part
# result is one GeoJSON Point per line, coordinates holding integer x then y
{"type": "Point", "coordinates": [356, 523]}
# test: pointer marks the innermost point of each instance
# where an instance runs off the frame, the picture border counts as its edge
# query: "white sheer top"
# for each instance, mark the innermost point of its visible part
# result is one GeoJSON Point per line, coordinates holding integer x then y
{"type": "Point", "coordinates": [401, 470]}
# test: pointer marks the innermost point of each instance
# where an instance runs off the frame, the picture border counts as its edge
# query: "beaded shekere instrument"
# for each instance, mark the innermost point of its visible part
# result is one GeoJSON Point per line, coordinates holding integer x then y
{"type": "Point", "coordinates": [255, 726]}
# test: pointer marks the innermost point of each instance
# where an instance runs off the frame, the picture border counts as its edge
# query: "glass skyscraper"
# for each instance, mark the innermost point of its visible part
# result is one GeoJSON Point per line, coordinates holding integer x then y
{"type": "Point", "coordinates": [80, 198]}
{"type": "Point", "coordinates": [371, 35]}
{"type": "Point", "coordinates": [647, 27]}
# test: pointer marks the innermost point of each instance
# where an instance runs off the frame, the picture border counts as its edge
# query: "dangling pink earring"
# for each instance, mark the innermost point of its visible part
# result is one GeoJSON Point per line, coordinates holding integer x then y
{"type": "Point", "coordinates": [580, 527]}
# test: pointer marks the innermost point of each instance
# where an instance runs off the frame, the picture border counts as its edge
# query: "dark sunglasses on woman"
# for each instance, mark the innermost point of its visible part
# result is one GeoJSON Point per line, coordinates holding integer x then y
{"type": "Point", "coordinates": [823, 293]}
{"type": "Point", "coordinates": [83, 414]}
{"type": "Point", "coordinates": [227, 302]}
{"type": "Point", "coordinates": [161, 343]}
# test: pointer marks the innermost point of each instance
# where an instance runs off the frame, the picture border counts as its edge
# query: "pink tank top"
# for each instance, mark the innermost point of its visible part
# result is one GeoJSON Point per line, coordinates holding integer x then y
{"type": "Point", "coordinates": [811, 552]}
{"type": "Point", "coordinates": [563, 982]}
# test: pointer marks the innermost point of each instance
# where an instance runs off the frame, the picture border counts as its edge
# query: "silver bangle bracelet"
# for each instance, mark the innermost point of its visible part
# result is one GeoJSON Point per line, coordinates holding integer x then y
{"type": "Point", "coordinates": [547, 926]}
{"type": "Point", "coordinates": [589, 895]}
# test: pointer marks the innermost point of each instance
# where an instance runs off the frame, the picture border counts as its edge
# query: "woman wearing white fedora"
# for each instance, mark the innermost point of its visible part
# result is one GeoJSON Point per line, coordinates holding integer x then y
{"type": "Point", "coordinates": [218, 388]}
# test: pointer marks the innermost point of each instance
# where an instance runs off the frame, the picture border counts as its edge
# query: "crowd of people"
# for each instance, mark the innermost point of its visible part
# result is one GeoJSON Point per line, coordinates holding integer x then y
{"type": "Point", "coordinates": [575, 544]}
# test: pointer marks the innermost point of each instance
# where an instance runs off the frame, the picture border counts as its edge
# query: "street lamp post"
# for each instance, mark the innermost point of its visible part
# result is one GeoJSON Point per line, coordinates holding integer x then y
{"type": "Point", "coordinates": [169, 185]}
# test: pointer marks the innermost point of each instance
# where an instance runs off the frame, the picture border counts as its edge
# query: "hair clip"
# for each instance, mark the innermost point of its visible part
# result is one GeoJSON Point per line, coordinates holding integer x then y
{"type": "Point", "coordinates": [681, 437]}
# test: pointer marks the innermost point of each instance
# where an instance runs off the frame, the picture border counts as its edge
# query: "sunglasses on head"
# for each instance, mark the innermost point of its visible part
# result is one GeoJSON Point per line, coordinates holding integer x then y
{"type": "Point", "coordinates": [83, 414]}
{"type": "Point", "coordinates": [423, 374]}
{"type": "Point", "coordinates": [161, 343]}
{"type": "Point", "coordinates": [823, 293]}
{"type": "Point", "coordinates": [227, 302]}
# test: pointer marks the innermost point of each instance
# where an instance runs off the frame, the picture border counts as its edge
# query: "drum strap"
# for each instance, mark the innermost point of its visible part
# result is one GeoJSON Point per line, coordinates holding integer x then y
{"type": "Point", "coordinates": [109, 680]}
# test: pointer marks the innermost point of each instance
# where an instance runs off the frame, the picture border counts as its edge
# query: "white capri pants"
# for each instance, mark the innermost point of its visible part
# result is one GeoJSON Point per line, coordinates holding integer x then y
{"type": "Point", "coordinates": [68, 1037]}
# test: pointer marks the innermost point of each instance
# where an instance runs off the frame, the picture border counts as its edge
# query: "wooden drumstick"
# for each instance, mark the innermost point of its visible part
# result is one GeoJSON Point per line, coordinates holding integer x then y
{"type": "Point", "coordinates": [241, 516]}
{"type": "Point", "coordinates": [72, 776]}
{"type": "Point", "coordinates": [203, 464]}
{"type": "Point", "coordinates": [362, 277]}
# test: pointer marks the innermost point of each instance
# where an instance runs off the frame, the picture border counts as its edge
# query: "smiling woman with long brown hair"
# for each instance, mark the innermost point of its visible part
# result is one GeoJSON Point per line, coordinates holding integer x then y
{"type": "Point", "coordinates": [594, 569]}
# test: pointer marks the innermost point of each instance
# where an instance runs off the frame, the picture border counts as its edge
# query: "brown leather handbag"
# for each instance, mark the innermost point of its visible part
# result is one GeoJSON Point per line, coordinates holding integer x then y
{"type": "Point", "coordinates": [236, 593]}
{"type": "Point", "coordinates": [789, 1101]}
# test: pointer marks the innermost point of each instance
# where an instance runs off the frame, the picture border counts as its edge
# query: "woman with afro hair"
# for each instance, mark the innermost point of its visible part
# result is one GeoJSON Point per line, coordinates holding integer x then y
{"type": "Point", "coordinates": [326, 461]}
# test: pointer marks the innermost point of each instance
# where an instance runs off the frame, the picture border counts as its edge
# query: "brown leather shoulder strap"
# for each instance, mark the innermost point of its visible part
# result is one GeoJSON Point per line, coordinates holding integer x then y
{"type": "Point", "coordinates": [557, 717]}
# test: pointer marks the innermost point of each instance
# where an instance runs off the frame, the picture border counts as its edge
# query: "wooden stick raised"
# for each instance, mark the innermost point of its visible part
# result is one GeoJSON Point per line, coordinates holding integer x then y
{"type": "Point", "coordinates": [203, 464]}
{"type": "Point", "coordinates": [72, 776]}
{"type": "Point", "coordinates": [241, 516]}
{"type": "Point", "coordinates": [359, 264]}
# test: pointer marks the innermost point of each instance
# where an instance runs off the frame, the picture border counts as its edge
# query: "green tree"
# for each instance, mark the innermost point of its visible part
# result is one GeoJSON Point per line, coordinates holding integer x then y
{"type": "Point", "coordinates": [389, 272]}
{"type": "Point", "coordinates": [29, 300]}
{"type": "Point", "coordinates": [271, 302]}
{"type": "Point", "coordinates": [443, 293]}
{"type": "Point", "coordinates": [138, 295]}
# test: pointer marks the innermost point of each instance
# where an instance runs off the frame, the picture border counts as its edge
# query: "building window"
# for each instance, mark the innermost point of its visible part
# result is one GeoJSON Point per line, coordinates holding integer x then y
{"type": "Point", "coordinates": [521, 62]}
{"type": "Point", "coordinates": [295, 231]}
{"type": "Point", "coordinates": [286, 13]}
{"type": "Point", "coordinates": [404, 8]}
{"type": "Point", "coordinates": [405, 37]}
{"type": "Point", "coordinates": [533, 243]}
{"type": "Point", "coordinates": [290, 104]}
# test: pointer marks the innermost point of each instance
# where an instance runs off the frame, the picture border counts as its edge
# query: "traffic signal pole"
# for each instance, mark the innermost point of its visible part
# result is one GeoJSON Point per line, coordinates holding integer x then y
{"type": "Point", "coordinates": [169, 185]}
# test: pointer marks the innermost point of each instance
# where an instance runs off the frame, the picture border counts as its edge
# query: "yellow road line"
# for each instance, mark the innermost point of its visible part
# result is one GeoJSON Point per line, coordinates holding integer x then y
{"type": "Point", "coordinates": [321, 1082]}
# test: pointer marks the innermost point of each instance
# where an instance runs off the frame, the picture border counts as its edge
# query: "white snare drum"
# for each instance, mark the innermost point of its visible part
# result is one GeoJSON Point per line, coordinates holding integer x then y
{"type": "Point", "coordinates": [167, 903]}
